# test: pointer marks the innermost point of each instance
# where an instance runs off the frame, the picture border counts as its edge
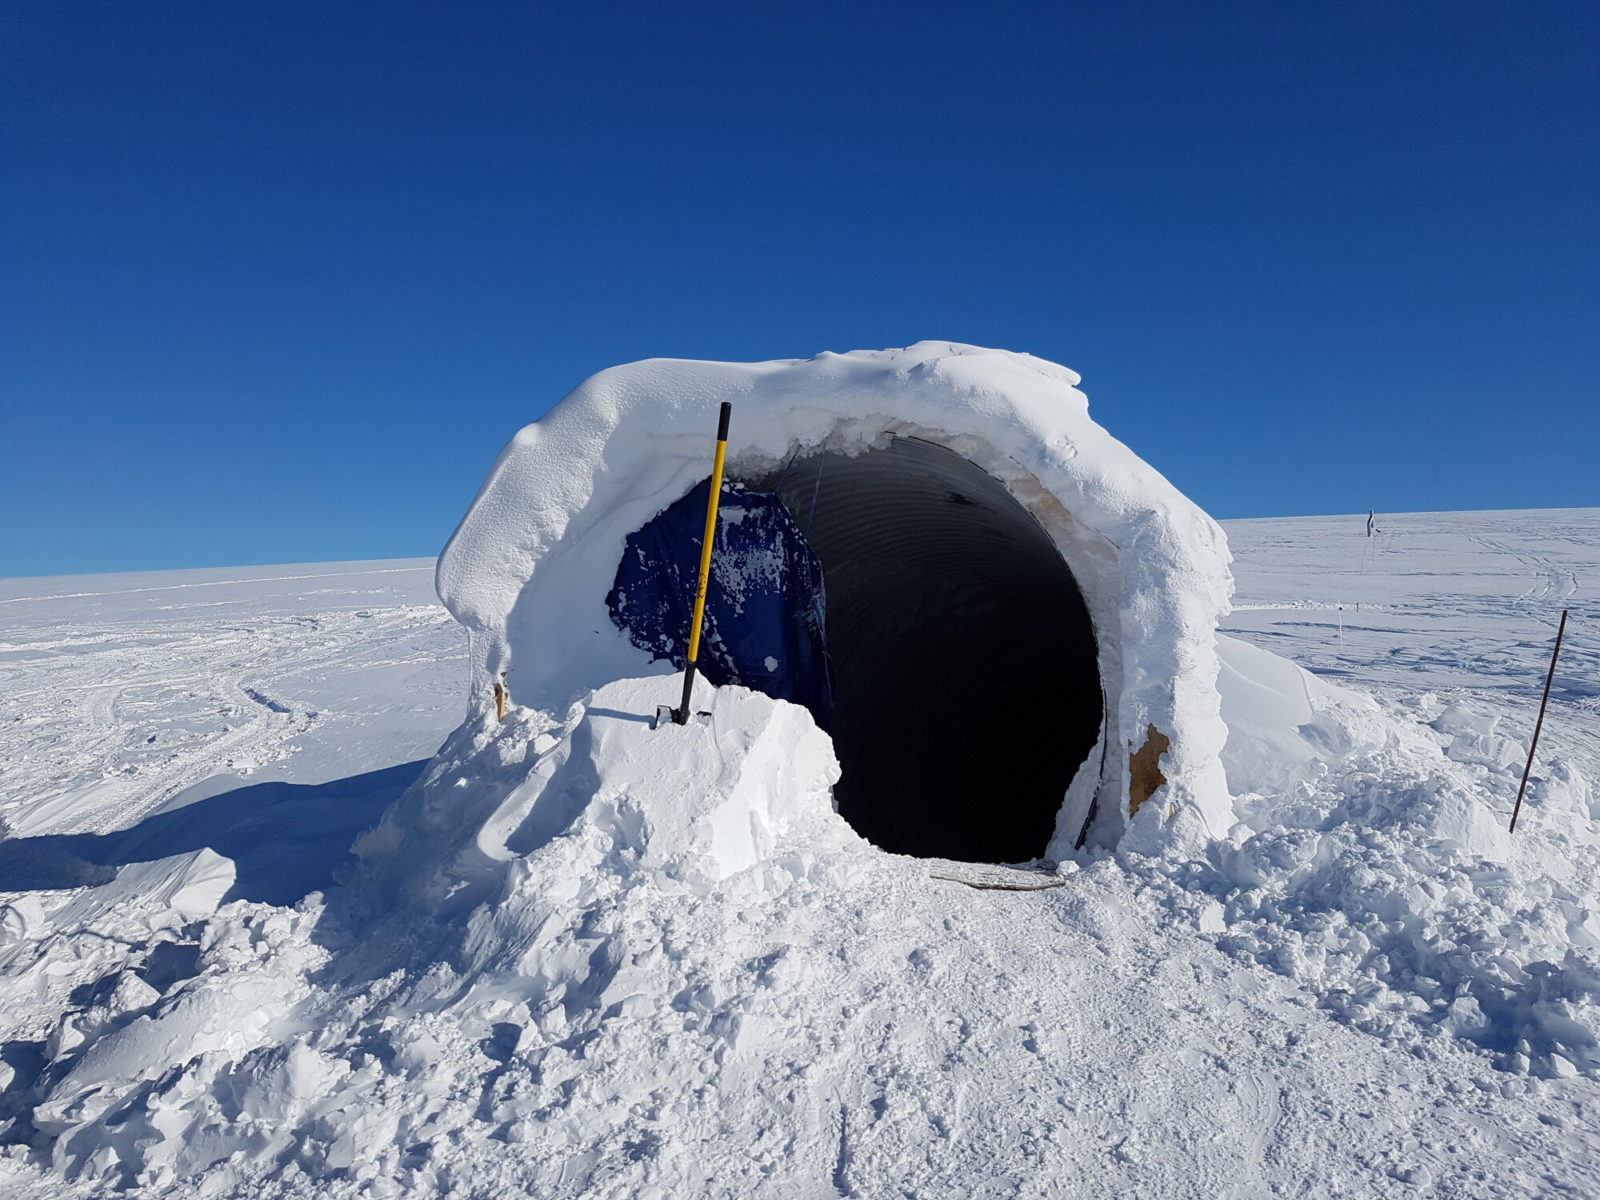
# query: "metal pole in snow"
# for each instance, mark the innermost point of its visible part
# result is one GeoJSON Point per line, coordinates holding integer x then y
{"type": "Point", "coordinates": [1539, 724]}
{"type": "Point", "coordinates": [681, 715]}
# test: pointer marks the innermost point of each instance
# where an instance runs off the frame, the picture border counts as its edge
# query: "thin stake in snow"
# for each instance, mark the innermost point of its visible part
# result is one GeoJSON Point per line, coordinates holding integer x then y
{"type": "Point", "coordinates": [1539, 724]}
{"type": "Point", "coordinates": [681, 715]}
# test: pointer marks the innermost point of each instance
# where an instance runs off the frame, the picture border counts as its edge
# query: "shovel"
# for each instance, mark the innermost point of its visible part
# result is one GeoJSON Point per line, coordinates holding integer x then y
{"type": "Point", "coordinates": [680, 715]}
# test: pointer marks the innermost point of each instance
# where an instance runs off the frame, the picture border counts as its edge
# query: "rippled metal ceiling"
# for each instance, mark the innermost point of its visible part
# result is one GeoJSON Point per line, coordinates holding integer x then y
{"type": "Point", "coordinates": [967, 690]}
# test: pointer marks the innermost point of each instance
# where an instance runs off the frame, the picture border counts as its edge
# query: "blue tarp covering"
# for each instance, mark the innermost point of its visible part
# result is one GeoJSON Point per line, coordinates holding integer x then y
{"type": "Point", "coordinates": [765, 608]}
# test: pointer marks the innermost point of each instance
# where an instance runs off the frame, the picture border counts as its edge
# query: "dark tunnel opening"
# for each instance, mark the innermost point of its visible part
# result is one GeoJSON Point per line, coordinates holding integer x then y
{"type": "Point", "coordinates": [966, 682]}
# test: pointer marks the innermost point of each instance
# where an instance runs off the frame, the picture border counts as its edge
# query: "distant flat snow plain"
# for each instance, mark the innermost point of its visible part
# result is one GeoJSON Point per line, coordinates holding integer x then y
{"type": "Point", "coordinates": [127, 693]}
{"type": "Point", "coordinates": [272, 713]}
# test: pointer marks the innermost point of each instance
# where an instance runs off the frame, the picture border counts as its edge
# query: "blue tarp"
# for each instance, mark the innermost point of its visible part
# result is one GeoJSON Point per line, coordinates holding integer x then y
{"type": "Point", "coordinates": [765, 607]}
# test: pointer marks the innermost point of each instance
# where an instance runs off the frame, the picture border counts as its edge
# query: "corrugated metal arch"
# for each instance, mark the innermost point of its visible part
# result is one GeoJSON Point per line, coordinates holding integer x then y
{"type": "Point", "coordinates": [968, 691]}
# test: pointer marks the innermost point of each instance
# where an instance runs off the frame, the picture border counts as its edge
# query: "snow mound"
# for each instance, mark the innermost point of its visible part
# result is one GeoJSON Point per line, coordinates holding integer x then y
{"type": "Point", "coordinates": [688, 805]}
{"type": "Point", "coordinates": [487, 904]}
{"type": "Point", "coordinates": [1369, 866]}
{"type": "Point", "coordinates": [529, 568]}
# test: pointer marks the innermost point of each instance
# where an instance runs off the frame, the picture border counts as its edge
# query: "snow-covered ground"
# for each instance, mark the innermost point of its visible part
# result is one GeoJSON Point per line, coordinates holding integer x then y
{"type": "Point", "coordinates": [131, 696]}
{"type": "Point", "coordinates": [128, 688]}
{"type": "Point", "coordinates": [529, 983]}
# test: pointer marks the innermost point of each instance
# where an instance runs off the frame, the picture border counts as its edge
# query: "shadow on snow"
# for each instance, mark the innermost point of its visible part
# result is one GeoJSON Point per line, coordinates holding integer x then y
{"type": "Point", "coordinates": [285, 839]}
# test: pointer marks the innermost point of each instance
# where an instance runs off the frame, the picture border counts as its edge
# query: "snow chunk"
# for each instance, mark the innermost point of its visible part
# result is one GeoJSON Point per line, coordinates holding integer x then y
{"type": "Point", "coordinates": [692, 804]}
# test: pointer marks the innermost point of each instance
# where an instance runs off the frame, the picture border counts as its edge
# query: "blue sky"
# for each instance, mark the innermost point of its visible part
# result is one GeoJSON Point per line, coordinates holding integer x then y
{"type": "Point", "coordinates": [279, 279]}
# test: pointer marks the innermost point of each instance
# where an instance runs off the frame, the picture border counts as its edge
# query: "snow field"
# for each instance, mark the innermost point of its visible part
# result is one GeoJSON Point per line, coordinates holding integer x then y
{"type": "Point", "coordinates": [1384, 878]}
{"type": "Point", "coordinates": [581, 957]}
{"type": "Point", "coordinates": [117, 692]}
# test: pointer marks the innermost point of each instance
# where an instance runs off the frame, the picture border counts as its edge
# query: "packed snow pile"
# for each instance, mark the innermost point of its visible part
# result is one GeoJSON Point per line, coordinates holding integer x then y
{"type": "Point", "coordinates": [689, 809]}
{"type": "Point", "coordinates": [1368, 865]}
{"type": "Point", "coordinates": [584, 956]}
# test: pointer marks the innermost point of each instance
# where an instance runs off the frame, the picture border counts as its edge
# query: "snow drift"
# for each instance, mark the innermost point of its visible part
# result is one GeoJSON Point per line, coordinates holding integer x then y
{"type": "Point", "coordinates": [958, 498]}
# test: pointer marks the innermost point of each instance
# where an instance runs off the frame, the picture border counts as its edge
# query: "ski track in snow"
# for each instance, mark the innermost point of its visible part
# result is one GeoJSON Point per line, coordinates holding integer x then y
{"type": "Point", "coordinates": [1145, 1029]}
{"type": "Point", "coordinates": [1449, 599]}
{"type": "Point", "coordinates": [108, 709]}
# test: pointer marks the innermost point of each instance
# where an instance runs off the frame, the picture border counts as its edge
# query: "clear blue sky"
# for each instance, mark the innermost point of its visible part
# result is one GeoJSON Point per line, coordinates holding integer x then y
{"type": "Point", "coordinates": [279, 279]}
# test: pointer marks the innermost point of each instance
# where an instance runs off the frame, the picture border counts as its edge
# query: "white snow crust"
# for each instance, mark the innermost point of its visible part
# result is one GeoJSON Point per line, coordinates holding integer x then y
{"type": "Point", "coordinates": [583, 957]}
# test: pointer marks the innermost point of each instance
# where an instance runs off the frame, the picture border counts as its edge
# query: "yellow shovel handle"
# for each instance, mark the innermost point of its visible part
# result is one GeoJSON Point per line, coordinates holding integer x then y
{"type": "Point", "coordinates": [680, 715]}
{"type": "Point", "coordinates": [710, 534]}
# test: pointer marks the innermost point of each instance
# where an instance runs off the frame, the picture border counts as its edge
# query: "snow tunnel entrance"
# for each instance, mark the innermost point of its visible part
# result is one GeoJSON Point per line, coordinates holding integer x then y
{"type": "Point", "coordinates": [966, 685]}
